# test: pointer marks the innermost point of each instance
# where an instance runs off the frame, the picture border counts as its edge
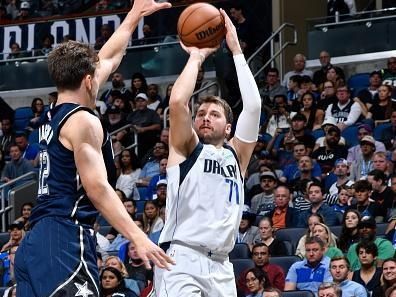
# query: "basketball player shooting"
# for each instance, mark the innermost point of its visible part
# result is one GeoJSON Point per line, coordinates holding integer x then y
{"type": "Point", "coordinates": [58, 256]}
{"type": "Point", "coordinates": [205, 180]}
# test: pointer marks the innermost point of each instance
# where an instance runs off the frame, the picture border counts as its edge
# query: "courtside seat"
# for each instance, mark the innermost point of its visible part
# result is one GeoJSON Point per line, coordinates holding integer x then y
{"type": "Point", "coordinates": [241, 265]}
{"type": "Point", "coordinates": [285, 262]}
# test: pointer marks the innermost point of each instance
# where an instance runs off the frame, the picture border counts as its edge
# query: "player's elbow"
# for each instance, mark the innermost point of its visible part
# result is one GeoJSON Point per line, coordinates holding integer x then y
{"type": "Point", "coordinates": [96, 191]}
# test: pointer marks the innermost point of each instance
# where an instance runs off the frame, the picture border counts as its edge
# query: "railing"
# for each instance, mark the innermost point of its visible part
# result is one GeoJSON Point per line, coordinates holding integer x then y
{"type": "Point", "coordinates": [134, 145]}
{"type": "Point", "coordinates": [4, 196]}
{"type": "Point", "coordinates": [279, 33]}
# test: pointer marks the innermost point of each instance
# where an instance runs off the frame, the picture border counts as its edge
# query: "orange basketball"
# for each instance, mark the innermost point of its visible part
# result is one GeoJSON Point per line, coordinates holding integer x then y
{"type": "Point", "coordinates": [201, 25]}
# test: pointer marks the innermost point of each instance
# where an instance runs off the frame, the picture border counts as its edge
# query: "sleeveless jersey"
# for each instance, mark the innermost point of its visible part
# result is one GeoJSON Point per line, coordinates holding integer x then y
{"type": "Point", "coordinates": [205, 199]}
{"type": "Point", "coordinates": [341, 115]}
{"type": "Point", "coordinates": [60, 192]}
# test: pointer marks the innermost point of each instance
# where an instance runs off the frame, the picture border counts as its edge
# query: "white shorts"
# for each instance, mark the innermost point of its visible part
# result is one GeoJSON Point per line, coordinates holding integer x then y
{"type": "Point", "coordinates": [196, 274]}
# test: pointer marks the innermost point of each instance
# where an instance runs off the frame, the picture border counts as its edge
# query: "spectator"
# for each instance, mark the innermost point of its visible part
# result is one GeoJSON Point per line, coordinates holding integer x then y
{"type": "Point", "coordinates": [389, 74]}
{"type": "Point", "coordinates": [146, 123]}
{"type": "Point", "coordinates": [332, 151]}
{"type": "Point", "coordinates": [256, 281]}
{"type": "Point", "coordinates": [154, 99]}
{"type": "Point", "coordinates": [130, 172]}
{"type": "Point", "coordinates": [152, 187]}
{"type": "Point", "coordinates": [319, 76]}
{"type": "Point", "coordinates": [112, 283]}
{"type": "Point", "coordinates": [16, 52]}
{"type": "Point", "coordinates": [349, 232]}
{"type": "Point", "coordinates": [363, 204]}
{"type": "Point", "coordinates": [29, 151]}
{"type": "Point", "coordinates": [327, 96]}
{"type": "Point", "coordinates": [330, 248]}
{"type": "Point", "coordinates": [26, 210]}
{"type": "Point", "coordinates": [160, 195]}
{"type": "Point", "coordinates": [130, 206]}
{"type": "Point", "coordinates": [2, 160]}
{"type": "Point", "coordinates": [309, 273]}
{"type": "Point", "coordinates": [152, 221]}
{"type": "Point", "coordinates": [114, 261]}
{"type": "Point", "coordinates": [117, 83]}
{"type": "Point", "coordinates": [388, 274]}
{"type": "Point", "coordinates": [261, 257]}
{"type": "Point", "coordinates": [263, 202]}
{"type": "Point", "coordinates": [283, 216]}
{"type": "Point", "coordinates": [343, 201]}
{"type": "Point", "coordinates": [16, 235]}
{"type": "Point", "coordinates": [272, 292]}
{"type": "Point", "coordinates": [46, 45]}
{"type": "Point", "coordinates": [138, 84]}
{"type": "Point", "coordinates": [341, 7]}
{"type": "Point", "coordinates": [369, 95]}
{"type": "Point", "coordinates": [315, 196]}
{"type": "Point", "coordinates": [7, 137]}
{"type": "Point", "coordinates": [369, 275]}
{"type": "Point", "coordinates": [105, 33]}
{"type": "Point", "coordinates": [152, 167]}
{"type": "Point", "coordinates": [247, 231]}
{"type": "Point", "coordinates": [382, 195]}
{"type": "Point", "coordinates": [266, 236]}
{"type": "Point", "coordinates": [345, 111]}
{"type": "Point", "coordinates": [24, 12]}
{"type": "Point", "coordinates": [339, 268]}
{"type": "Point", "coordinates": [202, 83]}
{"type": "Point", "coordinates": [135, 267]}
{"type": "Point", "coordinates": [279, 117]}
{"type": "Point", "coordinates": [313, 115]}
{"type": "Point", "coordinates": [381, 163]}
{"type": "Point", "coordinates": [38, 112]}
{"type": "Point", "coordinates": [381, 110]}
{"type": "Point", "coordinates": [4, 16]}
{"type": "Point", "coordinates": [367, 231]}
{"type": "Point", "coordinates": [298, 69]}
{"type": "Point", "coordinates": [341, 171]}
{"type": "Point", "coordinates": [335, 75]}
{"type": "Point", "coordinates": [388, 134]}
{"type": "Point", "coordinates": [362, 166]}
{"type": "Point", "coordinates": [329, 289]}
{"type": "Point", "coordinates": [272, 87]}
{"type": "Point", "coordinates": [17, 166]}
{"type": "Point", "coordinates": [355, 152]}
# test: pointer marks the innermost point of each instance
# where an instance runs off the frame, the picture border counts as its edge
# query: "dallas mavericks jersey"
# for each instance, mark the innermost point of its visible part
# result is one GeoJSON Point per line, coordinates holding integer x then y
{"type": "Point", "coordinates": [60, 192]}
{"type": "Point", "coordinates": [205, 199]}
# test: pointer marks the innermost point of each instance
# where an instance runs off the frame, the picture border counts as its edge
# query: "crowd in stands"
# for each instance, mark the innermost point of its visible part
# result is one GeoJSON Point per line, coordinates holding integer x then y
{"type": "Point", "coordinates": [323, 168]}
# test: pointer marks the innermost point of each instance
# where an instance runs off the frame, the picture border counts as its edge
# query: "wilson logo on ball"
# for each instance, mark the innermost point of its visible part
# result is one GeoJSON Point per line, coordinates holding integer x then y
{"type": "Point", "coordinates": [208, 32]}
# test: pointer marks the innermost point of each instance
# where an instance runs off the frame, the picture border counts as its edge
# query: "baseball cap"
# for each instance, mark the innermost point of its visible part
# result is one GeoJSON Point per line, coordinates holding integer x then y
{"type": "Point", "coordinates": [141, 96]}
{"type": "Point", "coordinates": [329, 121]}
{"type": "Point", "coordinates": [25, 5]}
{"type": "Point", "coordinates": [341, 161]}
{"type": "Point", "coordinates": [16, 224]}
{"type": "Point", "coordinates": [365, 127]}
{"type": "Point", "coordinates": [367, 222]}
{"type": "Point", "coordinates": [113, 109]}
{"type": "Point", "coordinates": [267, 174]}
{"type": "Point", "coordinates": [162, 182]}
{"type": "Point", "coordinates": [368, 139]}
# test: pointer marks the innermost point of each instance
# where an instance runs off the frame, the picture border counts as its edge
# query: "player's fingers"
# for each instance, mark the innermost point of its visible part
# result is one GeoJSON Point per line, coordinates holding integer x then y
{"type": "Point", "coordinates": [146, 262]}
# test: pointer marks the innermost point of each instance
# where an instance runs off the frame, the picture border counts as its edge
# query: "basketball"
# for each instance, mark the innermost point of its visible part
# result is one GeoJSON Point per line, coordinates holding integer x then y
{"type": "Point", "coordinates": [201, 25]}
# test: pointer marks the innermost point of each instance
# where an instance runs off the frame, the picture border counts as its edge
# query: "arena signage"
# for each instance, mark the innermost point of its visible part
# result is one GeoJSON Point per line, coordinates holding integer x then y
{"type": "Point", "coordinates": [86, 29]}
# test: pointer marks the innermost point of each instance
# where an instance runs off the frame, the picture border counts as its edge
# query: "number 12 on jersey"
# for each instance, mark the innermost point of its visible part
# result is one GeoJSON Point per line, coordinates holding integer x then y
{"type": "Point", "coordinates": [234, 190]}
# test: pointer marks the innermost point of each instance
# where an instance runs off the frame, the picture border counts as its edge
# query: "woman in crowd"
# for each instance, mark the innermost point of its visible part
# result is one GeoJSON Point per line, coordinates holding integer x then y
{"type": "Point", "coordinates": [334, 74]}
{"type": "Point", "coordinates": [349, 232]}
{"type": "Point", "coordinates": [388, 278]}
{"type": "Point", "coordinates": [38, 110]}
{"type": "Point", "coordinates": [312, 113]}
{"type": "Point", "coordinates": [112, 283]}
{"type": "Point", "coordinates": [323, 232]}
{"type": "Point", "coordinates": [131, 284]}
{"type": "Point", "coordinates": [26, 210]}
{"type": "Point", "coordinates": [381, 110]}
{"type": "Point", "coordinates": [256, 282]}
{"type": "Point", "coordinates": [138, 84]}
{"type": "Point", "coordinates": [16, 235]}
{"type": "Point", "coordinates": [130, 171]}
{"type": "Point", "coordinates": [328, 95]}
{"type": "Point", "coordinates": [369, 275]}
{"type": "Point", "coordinates": [266, 236]}
{"type": "Point", "coordinates": [152, 221]}
{"type": "Point", "coordinates": [312, 220]}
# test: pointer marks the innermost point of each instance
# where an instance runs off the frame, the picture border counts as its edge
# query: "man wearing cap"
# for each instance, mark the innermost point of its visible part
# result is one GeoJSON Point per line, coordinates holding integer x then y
{"type": "Point", "coordinates": [147, 124]}
{"type": "Point", "coordinates": [16, 236]}
{"type": "Point", "coordinates": [264, 202]}
{"type": "Point", "coordinates": [346, 112]}
{"type": "Point", "coordinates": [160, 195]}
{"type": "Point", "coordinates": [327, 123]}
{"type": "Point", "coordinates": [355, 152]}
{"type": "Point", "coordinates": [152, 187]}
{"type": "Point", "coordinates": [341, 171]}
{"type": "Point", "coordinates": [367, 231]}
{"type": "Point", "coordinates": [361, 168]}
{"type": "Point", "coordinates": [326, 155]}
{"type": "Point", "coordinates": [24, 11]}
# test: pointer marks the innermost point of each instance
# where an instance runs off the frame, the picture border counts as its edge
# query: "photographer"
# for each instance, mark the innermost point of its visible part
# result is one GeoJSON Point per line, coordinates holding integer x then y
{"type": "Point", "coordinates": [279, 120]}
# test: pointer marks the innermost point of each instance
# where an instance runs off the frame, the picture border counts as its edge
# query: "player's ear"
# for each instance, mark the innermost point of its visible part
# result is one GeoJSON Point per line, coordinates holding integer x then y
{"type": "Point", "coordinates": [88, 81]}
{"type": "Point", "coordinates": [228, 129]}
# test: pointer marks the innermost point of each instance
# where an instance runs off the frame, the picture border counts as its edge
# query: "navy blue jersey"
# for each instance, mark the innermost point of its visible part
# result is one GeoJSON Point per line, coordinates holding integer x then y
{"type": "Point", "coordinates": [60, 192]}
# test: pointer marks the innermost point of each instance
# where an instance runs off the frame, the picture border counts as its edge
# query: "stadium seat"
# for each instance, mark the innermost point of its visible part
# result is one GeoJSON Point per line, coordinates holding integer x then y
{"type": "Point", "coordinates": [291, 235]}
{"type": "Point", "coordinates": [22, 118]}
{"type": "Point", "coordinates": [298, 294]}
{"type": "Point", "coordinates": [34, 136]}
{"type": "Point", "coordinates": [140, 206]}
{"type": "Point", "coordinates": [241, 265]}
{"type": "Point", "coordinates": [318, 133]}
{"type": "Point", "coordinates": [4, 237]}
{"type": "Point", "coordinates": [377, 133]}
{"type": "Point", "coordinates": [104, 230]}
{"type": "Point", "coordinates": [240, 251]}
{"type": "Point", "coordinates": [350, 135]}
{"type": "Point", "coordinates": [285, 262]}
{"type": "Point", "coordinates": [358, 82]}
{"type": "Point", "coordinates": [336, 230]}
{"type": "Point", "coordinates": [289, 248]}
{"type": "Point", "coordinates": [2, 290]}
{"type": "Point", "coordinates": [381, 228]}
{"type": "Point", "coordinates": [257, 221]}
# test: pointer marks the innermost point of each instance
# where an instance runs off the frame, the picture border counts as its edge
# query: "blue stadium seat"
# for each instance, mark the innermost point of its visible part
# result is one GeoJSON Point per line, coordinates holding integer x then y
{"type": "Point", "coordinates": [298, 294]}
{"type": "Point", "coordinates": [34, 136]}
{"type": "Point", "coordinates": [318, 133]}
{"type": "Point", "coordinates": [291, 235]}
{"type": "Point", "coordinates": [241, 265]}
{"type": "Point", "coordinates": [336, 230]}
{"type": "Point", "coordinates": [350, 135]}
{"type": "Point", "coordinates": [358, 82]}
{"type": "Point", "coordinates": [104, 230]}
{"type": "Point", "coordinates": [381, 228]}
{"type": "Point", "coordinates": [285, 262]}
{"type": "Point", "coordinates": [240, 251]}
{"type": "Point", "coordinates": [22, 118]}
{"type": "Point", "coordinates": [140, 206]}
{"type": "Point", "coordinates": [377, 133]}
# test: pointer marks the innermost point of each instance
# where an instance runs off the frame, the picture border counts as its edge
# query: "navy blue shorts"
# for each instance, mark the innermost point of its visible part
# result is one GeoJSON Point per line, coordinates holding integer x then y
{"type": "Point", "coordinates": [57, 258]}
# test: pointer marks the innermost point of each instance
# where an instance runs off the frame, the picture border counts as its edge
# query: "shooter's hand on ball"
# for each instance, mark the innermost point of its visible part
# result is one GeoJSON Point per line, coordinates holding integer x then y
{"type": "Point", "coordinates": [202, 52]}
{"type": "Point", "coordinates": [231, 35]}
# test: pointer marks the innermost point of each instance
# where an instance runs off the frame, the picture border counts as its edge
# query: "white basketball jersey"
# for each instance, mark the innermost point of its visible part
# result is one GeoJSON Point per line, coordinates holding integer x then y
{"type": "Point", "coordinates": [205, 199]}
